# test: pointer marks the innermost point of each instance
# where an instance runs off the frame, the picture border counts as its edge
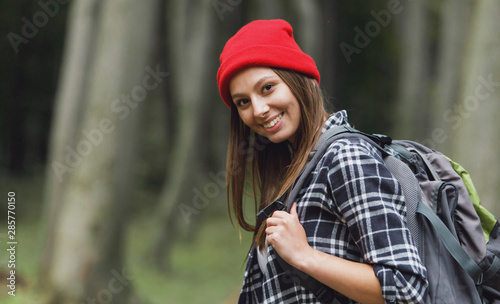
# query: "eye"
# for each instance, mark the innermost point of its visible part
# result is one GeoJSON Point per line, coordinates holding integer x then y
{"type": "Point", "coordinates": [242, 102]}
{"type": "Point", "coordinates": [266, 88]}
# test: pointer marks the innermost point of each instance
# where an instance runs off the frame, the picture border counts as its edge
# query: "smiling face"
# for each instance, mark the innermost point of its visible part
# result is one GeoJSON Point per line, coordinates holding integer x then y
{"type": "Point", "coordinates": [265, 103]}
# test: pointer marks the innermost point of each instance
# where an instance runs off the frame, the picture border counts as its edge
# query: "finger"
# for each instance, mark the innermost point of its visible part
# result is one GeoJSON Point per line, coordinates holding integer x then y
{"type": "Point", "coordinates": [275, 221]}
{"type": "Point", "coordinates": [272, 221]}
{"type": "Point", "coordinates": [279, 214]}
{"type": "Point", "coordinates": [270, 240]}
{"type": "Point", "coordinates": [293, 210]}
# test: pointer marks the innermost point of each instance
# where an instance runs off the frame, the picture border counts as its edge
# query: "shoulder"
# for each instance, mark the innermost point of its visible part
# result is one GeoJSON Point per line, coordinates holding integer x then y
{"type": "Point", "coordinates": [350, 151]}
{"type": "Point", "coordinates": [356, 166]}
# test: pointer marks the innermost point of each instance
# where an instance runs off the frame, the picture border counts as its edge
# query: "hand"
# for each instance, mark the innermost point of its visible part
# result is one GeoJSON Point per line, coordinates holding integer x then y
{"type": "Point", "coordinates": [287, 236]}
{"type": "Point", "coordinates": [353, 279]}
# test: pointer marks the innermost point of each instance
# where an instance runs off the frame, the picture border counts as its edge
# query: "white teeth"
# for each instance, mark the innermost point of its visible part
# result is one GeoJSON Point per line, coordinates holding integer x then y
{"type": "Point", "coordinates": [273, 122]}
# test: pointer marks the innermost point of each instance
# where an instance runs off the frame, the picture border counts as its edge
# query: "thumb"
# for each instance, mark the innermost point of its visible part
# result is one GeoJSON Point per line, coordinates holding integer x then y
{"type": "Point", "coordinates": [293, 210]}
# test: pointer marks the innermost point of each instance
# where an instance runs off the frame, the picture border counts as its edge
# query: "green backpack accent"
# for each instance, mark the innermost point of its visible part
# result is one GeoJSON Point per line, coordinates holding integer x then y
{"type": "Point", "coordinates": [488, 220]}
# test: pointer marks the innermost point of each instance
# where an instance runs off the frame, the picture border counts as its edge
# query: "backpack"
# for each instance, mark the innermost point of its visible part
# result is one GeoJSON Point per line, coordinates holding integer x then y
{"type": "Point", "coordinates": [458, 240]}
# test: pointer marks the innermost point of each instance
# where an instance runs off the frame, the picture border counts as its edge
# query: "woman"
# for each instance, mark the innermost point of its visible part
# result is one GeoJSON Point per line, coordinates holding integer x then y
{"type": "Point", "coordinates": [347, 229]}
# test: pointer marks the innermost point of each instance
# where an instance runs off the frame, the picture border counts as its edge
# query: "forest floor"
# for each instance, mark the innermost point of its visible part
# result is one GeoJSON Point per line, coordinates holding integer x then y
{"type": "Point", "coordinates": [207, 269]}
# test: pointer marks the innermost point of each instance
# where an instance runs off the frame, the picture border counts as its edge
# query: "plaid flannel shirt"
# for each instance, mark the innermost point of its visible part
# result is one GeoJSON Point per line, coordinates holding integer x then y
{"type": "Point", "coordinates": [351, 207]}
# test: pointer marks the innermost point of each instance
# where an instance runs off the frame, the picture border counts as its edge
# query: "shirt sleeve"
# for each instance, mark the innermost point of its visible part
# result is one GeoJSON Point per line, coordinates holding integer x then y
{"type": "Point", "coordinates": [372, 204]}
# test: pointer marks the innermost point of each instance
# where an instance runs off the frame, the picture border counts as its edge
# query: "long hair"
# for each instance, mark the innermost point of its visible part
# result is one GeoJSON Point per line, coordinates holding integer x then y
{"type": "Point", "coordinates": [269, 169]}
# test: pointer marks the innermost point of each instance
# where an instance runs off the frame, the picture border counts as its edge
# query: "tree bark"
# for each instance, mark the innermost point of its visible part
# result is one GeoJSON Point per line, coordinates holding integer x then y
{"type": "Point", "coordinates": [189, 45]}
{"type": "Point", "coordinates": [329, 30]}
{"type": "Point", "coordinates": [411, 107]}
{"type": "Point", "coordinates": [87, 237]}
{"type": "Point", "coordinates": [69, 103]}
{"type": "Point", "coordinates": [474, 117]}
{"type": "Point", "coordinates": [309, 25]}
{"type": "Point", "coordinates": [454, 32]}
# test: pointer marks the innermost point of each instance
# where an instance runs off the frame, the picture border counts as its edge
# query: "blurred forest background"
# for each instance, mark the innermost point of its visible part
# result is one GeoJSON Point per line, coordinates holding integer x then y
{"type": "Point", "coordinates": [113, 135]}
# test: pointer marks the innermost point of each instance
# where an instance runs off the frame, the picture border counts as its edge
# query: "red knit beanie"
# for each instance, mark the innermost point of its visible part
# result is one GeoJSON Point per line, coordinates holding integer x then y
{"type": "Point", "coordinates": [267, 43]}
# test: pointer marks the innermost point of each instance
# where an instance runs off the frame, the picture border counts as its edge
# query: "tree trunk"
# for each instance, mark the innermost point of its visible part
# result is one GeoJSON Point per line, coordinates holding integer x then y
{"type": "Point", "coordinates": [190, 46]}
{"type": "Point", "coordinates": [474, 117]}
{"type": "Point", "coordinates": [70, 98]}
{"type": "Point", "coordinates": [411, 107]}
{"type": "Point", "coordinates": [87, 237]}
{"type": "Point", "coordinates": [309, 25]}
{"type": "Point", "coordinates": [454, 31]}
{"type": "Point", "coordinates": [329, 11]}
{"type": "Point", "coordinates": [262, 9]}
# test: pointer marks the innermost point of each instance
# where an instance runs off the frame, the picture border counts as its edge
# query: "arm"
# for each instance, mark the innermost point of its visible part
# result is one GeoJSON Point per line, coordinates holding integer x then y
{"type": "Point", "coordinates": [354, 280]}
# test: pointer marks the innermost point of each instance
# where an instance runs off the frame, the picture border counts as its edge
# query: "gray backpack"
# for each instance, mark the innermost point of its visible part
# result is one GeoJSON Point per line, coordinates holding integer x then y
{"type": "Point", "coordinates": [458, 240]}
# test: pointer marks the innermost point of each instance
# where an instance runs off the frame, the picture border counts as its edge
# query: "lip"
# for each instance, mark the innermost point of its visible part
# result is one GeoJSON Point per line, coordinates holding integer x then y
{"type": "Point", "coordinates": [271, 119]}
{"type": "Point", "coordinates": [276, 126]}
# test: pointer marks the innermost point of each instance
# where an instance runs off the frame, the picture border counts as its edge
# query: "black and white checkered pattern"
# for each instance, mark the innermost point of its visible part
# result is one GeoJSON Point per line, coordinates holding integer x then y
{"type": "Point", "coordinates": [351, 207]}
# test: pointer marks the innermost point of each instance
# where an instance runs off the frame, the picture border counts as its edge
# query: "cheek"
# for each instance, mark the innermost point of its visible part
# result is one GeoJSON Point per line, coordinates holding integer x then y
{"type": "Point", "coordinates": [246, 118]}
{"type": "Point", "coordinates": [296, 113]}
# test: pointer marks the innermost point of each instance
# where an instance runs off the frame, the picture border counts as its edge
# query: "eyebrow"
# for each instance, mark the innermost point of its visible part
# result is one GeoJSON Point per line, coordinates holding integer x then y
{"type": "Point", "coordinates": [256, 86]}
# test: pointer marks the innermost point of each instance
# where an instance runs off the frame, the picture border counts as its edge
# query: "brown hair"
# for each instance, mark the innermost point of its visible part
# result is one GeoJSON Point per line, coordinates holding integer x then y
{"type": "Point", "coordinates": [271, 168]}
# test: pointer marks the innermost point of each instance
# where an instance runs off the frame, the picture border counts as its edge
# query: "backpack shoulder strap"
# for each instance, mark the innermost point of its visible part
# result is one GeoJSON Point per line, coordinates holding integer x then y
{"type": "Point", "coordinates": [322, 292]}
{"type": "Point", "coordinates": [451, 244]}
{"type": "Point", "coordinates": [324, 141]}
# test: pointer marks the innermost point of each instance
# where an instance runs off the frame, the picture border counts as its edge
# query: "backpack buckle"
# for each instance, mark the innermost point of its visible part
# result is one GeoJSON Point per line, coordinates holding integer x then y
{"type": "Point", "coordinates": [480, 280]}
{"type": "Point", "coordinates": [268, 211]}
{"type": "Point", "coordinates": [383, 140]}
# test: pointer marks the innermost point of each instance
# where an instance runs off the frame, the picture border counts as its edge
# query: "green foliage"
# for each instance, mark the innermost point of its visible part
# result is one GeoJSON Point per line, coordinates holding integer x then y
{"type": "Point", "coordinates": [209, 269]}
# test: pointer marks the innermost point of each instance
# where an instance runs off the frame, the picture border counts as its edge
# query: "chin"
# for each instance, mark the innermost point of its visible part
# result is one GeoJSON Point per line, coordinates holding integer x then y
{"type": "Point", "coordinates": [278, 139]}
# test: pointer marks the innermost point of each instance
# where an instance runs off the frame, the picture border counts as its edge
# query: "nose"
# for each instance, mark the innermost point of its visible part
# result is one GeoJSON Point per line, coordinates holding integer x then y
{"type": "Point", "coordinates": [260, 108]}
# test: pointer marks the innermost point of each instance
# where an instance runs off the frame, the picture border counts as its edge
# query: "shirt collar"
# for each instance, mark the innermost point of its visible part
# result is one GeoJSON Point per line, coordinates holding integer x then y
{"type": "Point", "coordinates": [336, 119]}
